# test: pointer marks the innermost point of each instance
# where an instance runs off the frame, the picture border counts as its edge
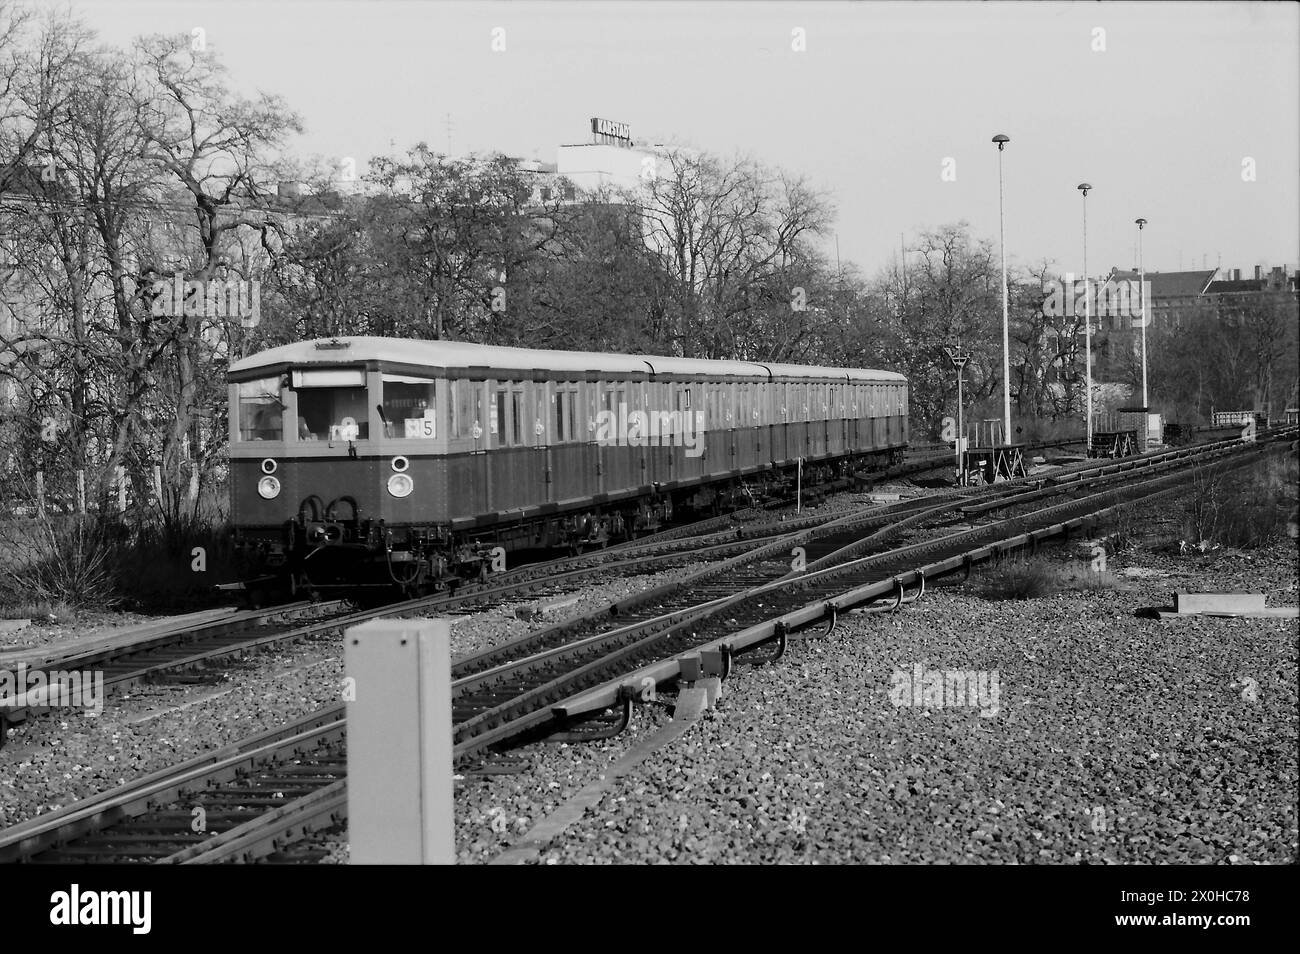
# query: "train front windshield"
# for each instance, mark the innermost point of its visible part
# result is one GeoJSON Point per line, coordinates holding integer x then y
{"type": "Point", "coordinates": [261, 412]}
{"type": "Point", "coordinates": [332, 405]}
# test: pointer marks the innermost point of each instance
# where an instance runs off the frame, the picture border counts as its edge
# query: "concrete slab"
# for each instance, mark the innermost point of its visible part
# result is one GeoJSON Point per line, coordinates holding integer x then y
{"type": "Point", "coordinates": [1218, 602]}
{"type": "Point", "coordinates": [13, 625]}
{"type": "Point", "coordinates": [1269, 612]}
{"type": "Point", "coordinates": [106, 637]}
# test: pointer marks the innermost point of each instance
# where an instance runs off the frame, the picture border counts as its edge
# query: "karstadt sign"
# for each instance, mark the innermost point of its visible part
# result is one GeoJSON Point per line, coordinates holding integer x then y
{"type": "Point", "coordinates": [611, 129]}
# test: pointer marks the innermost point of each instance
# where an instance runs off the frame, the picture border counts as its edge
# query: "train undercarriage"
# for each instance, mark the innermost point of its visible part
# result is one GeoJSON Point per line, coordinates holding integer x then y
{"type": "Point", "coordinates": [333, 550]}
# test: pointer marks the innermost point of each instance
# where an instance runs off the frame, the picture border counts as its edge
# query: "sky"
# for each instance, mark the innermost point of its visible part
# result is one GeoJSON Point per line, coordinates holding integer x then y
{"type": "Point", "coordinates": [1185, 114]}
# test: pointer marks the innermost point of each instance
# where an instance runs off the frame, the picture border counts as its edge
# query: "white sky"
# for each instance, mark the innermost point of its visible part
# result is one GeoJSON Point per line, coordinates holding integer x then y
{"type": "Point", "coordinates": [1159, 122]}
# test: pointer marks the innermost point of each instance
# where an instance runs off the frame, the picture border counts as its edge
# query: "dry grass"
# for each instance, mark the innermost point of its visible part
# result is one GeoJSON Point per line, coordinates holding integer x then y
{"type": "Point", "coordinates": [1241, 510]}
{"type": "Point", "coordinates": [1022, 579]}
{"type": "Point", "coordinates": [44, 612]}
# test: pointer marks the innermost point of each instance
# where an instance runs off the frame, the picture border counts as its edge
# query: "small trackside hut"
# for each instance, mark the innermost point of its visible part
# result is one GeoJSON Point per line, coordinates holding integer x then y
{"type": "Point", "coordinates": [365, 461]}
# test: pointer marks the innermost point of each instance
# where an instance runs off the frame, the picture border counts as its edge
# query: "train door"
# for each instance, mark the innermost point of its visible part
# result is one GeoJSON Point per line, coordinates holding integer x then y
{"type": "Point", "coordinates": [567, 471]}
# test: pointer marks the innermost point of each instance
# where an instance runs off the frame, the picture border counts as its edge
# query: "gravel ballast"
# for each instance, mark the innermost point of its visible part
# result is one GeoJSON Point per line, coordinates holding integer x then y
{"type": "Point", "coordinates": [1116, 739]}
{"type": "Point", "coordinates": [55, 759]}
{"type": "Point", "coordinates": [1111, 738]}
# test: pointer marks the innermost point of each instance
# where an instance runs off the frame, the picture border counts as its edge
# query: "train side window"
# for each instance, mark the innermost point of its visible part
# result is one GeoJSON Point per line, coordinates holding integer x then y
{"type": "Point", "coordinates": [516, 417]}
{"type": "Point", "coordinates": [466, 407]}
{"type": "Point", "coordinates": [409, 408]}
{"type": "Point", "coordinates": [499, 415]}
{"type": "Point", "coordinates": [561, 401]}
{"type": "Point", "coordinates": [584, 396]}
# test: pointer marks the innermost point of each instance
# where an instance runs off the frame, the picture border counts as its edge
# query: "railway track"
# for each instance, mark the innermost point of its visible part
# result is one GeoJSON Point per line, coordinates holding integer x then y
{"type": "Point", "coordinates": [191, 653]}
{"type": "Point", "coordinates": [494, 703]}
{"type": "Point", "coordinates": [255, 815]}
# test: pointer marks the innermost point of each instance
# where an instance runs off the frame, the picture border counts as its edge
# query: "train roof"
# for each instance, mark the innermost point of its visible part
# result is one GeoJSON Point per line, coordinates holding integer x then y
{"type": "Point", "coordinates": [462, 354]}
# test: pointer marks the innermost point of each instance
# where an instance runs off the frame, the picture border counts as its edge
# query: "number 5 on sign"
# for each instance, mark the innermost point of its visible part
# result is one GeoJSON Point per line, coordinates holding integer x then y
{"type": "Point", "coordinates": [420, 427]}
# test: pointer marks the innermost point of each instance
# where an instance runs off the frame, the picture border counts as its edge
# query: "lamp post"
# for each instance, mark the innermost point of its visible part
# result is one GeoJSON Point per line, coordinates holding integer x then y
{"type": "Point", "coordinates": [1084, 187]}
{"type": "Point", "coordinates": [958, 357]}
{"type": "Point", "coordinates": [1142, 284]}
{"type": "Point", "coordinates": [1002, 139]}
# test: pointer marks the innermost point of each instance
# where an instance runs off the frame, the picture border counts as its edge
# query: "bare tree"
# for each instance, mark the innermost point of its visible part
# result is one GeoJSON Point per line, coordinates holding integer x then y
{"type": "Point", "coordinates": [218, 150]}
{"type": "Point", "coordinates": [734, 239]}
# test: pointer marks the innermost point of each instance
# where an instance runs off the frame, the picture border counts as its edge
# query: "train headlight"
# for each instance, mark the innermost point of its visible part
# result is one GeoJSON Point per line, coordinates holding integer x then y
{"type": "Point", "coordinates": [268, 488]}
{"type": "Point", "coordinates": [400, 485]}
{"type": "Point", "coordinates": [269, 465]}
{"type": "Point", "coordinates": [400, 464]}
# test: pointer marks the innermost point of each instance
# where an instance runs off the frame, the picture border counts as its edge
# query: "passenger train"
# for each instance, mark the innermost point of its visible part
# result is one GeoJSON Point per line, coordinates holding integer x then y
{"type": "Point", "coordinates": [412, 465]}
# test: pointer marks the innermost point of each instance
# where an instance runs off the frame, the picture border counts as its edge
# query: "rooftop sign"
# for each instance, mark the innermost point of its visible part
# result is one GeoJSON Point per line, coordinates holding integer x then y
{"type": "Point", "coordinates": [609, 130]}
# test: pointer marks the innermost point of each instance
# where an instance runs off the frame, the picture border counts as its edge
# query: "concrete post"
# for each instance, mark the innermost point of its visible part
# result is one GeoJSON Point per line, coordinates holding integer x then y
{"type": "Point", "coordinates": [398, 693]}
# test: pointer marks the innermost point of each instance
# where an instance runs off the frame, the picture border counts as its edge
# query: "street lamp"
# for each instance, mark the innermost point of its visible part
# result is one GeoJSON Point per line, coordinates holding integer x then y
{"type": "Point", "coordinates": [1142, 284]}
{"type": "Point", "coordinates": [1084, 187]}
{"type": "Point", "coordinates": [1002, 140]}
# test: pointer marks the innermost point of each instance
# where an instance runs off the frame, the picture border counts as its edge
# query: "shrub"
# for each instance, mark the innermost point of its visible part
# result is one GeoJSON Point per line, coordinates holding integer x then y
{"type": "Point", "coordinates": [1242, 510]}
{"type": "Point", "coordinates": [93, 562]}
{"type": "Point", "coordinates": [1126, 528]}
{"type": "Point", "coordinates": [155, 565]}
{"type": "Point", "coordinates": [1020, 580]}
{"type": "Point", "coordinates": [65, 559]}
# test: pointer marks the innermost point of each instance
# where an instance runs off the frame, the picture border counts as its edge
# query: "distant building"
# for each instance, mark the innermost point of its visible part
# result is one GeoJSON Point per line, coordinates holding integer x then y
{"type": "Point", "coordinates": [1171, 292]}
{"type": "Point", "coordinates": [1173, 296]}
{"type": "Point", "coordinates": [613, 161]}
{"type": "Point", "coordinates": [1279, 279]}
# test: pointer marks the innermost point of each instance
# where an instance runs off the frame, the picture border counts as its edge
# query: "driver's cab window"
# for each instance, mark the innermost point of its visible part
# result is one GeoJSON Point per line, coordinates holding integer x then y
{"type": "Point", "coordinates": [410, 407]}
{"type": "Point", "coordinates": [332, 405]}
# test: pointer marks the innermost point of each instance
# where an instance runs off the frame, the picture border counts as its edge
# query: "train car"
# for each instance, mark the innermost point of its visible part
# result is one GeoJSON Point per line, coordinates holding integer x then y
{"type": "Point", "coordinates": [377, 462]}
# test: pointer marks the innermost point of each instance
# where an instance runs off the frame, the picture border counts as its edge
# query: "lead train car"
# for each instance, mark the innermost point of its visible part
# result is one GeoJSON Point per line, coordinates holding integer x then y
{"type": "Point", "coordinates": [367, 461]}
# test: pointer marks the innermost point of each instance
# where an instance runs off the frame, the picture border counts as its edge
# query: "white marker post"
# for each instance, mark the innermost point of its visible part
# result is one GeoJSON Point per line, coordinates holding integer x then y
{"type": "Point", "coordinates": [399, 742]}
